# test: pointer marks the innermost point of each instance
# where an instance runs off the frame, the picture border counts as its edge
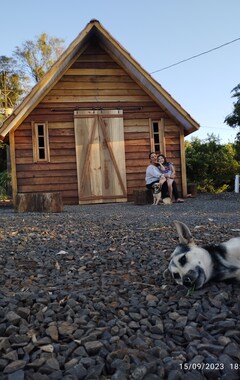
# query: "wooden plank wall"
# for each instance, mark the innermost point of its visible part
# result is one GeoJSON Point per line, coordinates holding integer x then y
{"type": "Point", "coordinates": [94, 80]}
{"type": "Point", "coordinates": [57, 175]}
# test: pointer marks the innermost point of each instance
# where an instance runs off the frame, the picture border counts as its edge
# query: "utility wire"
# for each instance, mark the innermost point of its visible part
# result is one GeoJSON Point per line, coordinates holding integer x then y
{"type": "Point", "coordinates": [195, 56]}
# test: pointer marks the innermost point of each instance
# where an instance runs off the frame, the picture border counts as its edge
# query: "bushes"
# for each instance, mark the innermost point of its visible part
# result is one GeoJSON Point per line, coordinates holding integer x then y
{"type": "Point", "coordinates": [4, 183]}
{"type": "Point", "coordinates": [4, 176]}
{"type": "Point", "coordinates": [210, 165]}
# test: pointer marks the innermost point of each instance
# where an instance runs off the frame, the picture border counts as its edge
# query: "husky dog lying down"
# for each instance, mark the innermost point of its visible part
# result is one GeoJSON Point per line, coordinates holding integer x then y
{"type": "Point", "coordinates": [193, 266]}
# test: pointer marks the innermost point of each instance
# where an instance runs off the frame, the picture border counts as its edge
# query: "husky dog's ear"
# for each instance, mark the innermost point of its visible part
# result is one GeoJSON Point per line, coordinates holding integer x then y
{"type": "Point", "coordinates": [184, 234]}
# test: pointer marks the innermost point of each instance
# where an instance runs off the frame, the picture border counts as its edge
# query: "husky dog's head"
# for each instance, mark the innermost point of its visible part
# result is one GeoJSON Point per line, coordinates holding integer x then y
{"type": "Point", "coordinates": [189, 265]}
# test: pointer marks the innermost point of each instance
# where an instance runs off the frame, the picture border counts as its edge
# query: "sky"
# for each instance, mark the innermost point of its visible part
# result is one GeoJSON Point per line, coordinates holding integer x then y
{"type": "Point", "coordinates": [157, 33]}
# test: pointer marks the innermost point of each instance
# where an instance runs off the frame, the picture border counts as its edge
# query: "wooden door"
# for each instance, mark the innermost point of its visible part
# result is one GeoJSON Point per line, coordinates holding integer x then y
{"type": "Point", "coordinates": [100, 154]}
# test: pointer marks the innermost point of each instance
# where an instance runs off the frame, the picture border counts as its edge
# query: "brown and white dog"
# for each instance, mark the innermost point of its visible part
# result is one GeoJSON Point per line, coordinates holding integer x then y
{"type": "Point", "coordinates": [157, 194]}
{"type": "Point", "coordinates": [193, 266]}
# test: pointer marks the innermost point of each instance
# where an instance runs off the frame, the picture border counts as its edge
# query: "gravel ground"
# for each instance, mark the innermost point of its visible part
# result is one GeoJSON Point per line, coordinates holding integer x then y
{"type": "Point", "coordinates": [83, 295]}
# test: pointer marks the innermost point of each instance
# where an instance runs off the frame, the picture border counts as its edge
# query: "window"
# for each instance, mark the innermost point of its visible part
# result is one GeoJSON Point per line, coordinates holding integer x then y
{"type": "Point", "coordinates": [157, 137]}
{"type": "Point", "coordinates": [40, 142]}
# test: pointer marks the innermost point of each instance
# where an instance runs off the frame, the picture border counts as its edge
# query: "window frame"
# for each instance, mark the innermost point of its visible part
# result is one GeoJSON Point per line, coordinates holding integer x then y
{"type": "Point", "coordinates": [37, 150]}
{"type": "Point", "coordinates": [158, 143]}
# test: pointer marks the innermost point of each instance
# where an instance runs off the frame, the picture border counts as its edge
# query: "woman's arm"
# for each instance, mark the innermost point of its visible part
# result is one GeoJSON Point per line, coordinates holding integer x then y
{"type": "Point", "coordinates": [161, 168]}
{"type": "Point", "coordinates": [173, 175]}
{"type": "Point", "coordinates": [154, 171]}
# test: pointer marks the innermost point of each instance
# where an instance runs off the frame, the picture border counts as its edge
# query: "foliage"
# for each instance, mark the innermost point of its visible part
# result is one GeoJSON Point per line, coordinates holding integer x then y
{"type": "Point", "coordinates": [236, 146]}
{"type": "Point", "coordinates": [12, 83]}
{"type": "Point", "coordinates": [3, 157]}
{"type": "Point", "coordinates": [4, 175]}
{"type": "Point", "coordinates": [4, 183]}
{"type": "Point", "coordinates": [37, 56]}
{"type": "Point", "coordinates": [233, 120]}
{"type": "Point", "coordinates": [2, 118]}
{"type": "Point", "coordinates": [210, 165]}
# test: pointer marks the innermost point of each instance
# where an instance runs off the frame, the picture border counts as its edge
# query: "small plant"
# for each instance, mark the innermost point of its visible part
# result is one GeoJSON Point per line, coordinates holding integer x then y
{"type": "Point", "coordinates": [210, 188]}
{"type": "Point", "coordinates": [5, 180]}
{"type": "Point", "coordinates": [191, 291]}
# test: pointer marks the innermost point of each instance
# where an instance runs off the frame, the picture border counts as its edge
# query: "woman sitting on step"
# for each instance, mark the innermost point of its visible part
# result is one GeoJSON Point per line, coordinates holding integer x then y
{"type": "Point", "coordinates": [154, 175]}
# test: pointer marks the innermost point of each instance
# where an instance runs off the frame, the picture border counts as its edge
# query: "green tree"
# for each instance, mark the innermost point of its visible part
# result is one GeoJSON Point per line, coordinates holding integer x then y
{"type": "Point", "coordinates": [210, 165]}
{"type": "Point", "coordinates": [3, 157]}
{"type": "Point", "coordinates": [37, 56]}
{"type": "Point", "coordinates": [12, 85]}
{"type": "Point", "coordinates": [4, 175]}
{"type": "Point", "coordinates": [233, 120]}
{"type": "Point", "coordinates": [236, 145]}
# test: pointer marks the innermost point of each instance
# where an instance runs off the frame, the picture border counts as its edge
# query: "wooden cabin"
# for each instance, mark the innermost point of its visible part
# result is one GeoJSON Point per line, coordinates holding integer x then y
{"type": "Point", "coordinates": [86, 129]}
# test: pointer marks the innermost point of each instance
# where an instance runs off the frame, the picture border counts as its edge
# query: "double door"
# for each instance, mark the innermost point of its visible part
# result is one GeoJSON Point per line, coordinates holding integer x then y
{"type": "Point", "coordinates": [100, 154]}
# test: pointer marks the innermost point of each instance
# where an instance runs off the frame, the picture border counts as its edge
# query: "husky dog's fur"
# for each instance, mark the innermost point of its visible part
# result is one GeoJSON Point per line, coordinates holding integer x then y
{"type": "Point", "coordinates": [193, 266]}
{"type": "Point", "coordinates": [157, 194]}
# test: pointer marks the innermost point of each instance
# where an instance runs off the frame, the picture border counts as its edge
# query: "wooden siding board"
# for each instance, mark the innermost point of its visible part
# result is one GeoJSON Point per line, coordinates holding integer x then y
{"type": "Point", "coordinates": [88, 79]}
{"type": "Point", "coordinates": [46, 180]}
{"type": "Point", "coordinates": [137, 136]}
{"type": "Point", "coordinates": [94, 98]}
{"type": "Point", "coordinates": [53, 139]}
{"type": "Point", "coordinates": [113, 92]}
{"type": "Point", "coordinates": [136, 142]}
{"type": "Point", "coordinates": [96, 85]}
{"type": "Point", "coordinates": [95, 65]}
{"type": "Point", "coordinates": [135, 149]}
{"type": "Point", "coordinates": [24, 153]}
{"type": "Point", "coordinates": [46, 188]}
{"type": "Point", "coordinates": [42, 174]}
{"type": "Point", "coordinates": [140, 155]}
{"type": "Point", "coordinates": [51, 117]}
{"type": "Point", "coordinates": [93, 58]}
{"type": "Point", "coordinates": [94, 71]}
{"type": "Point", "coordinates": [46, 166]}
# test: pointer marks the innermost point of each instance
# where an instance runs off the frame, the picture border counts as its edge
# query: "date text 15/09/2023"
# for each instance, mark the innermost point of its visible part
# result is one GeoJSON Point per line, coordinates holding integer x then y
{"type": "Point", "coordinates": [209, 366]}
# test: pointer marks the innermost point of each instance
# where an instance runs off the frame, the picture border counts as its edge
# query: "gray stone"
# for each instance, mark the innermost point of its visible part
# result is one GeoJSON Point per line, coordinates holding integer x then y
{"type": "Point", "coordinates": [93, 348]}
{"type": "Point", "coordinates": [232, 349]}
{"type": "Point", "coordinates": [18, 375]}
{"type": "Point", "coordinates": [191, 333]}
{"type": "Point", "coordinates": [78, 371]}
{"type": "Point", "coordinates": [13, 317]}
{"type": "Point", "coordinates": [14, 366]}
{"type": "Point", "coordinates": [83, 297]}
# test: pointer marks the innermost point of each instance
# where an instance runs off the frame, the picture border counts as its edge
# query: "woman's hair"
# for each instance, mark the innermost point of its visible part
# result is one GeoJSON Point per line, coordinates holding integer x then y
{"type": "Point", "coordinates": [151, 154]}
{"type": "Point", "coordinates": [165, 160]}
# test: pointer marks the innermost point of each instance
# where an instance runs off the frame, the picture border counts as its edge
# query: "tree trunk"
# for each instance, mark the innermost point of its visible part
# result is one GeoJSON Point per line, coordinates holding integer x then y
{"type": "Point", "coordinates": [39, 202]}
{"type": "Point", "coordinates": [192, 189]}
{"type": "Point", "coordinates": [142, 197]}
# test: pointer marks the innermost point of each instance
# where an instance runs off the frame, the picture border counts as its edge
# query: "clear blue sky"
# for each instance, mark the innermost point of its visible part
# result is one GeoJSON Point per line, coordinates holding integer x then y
{"type": "Point", "coordinates": [157, 33]}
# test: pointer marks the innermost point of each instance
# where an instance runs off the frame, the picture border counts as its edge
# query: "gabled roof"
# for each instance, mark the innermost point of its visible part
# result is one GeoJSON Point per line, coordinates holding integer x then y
{"type": "Point", "coordinates": [95, 30]}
